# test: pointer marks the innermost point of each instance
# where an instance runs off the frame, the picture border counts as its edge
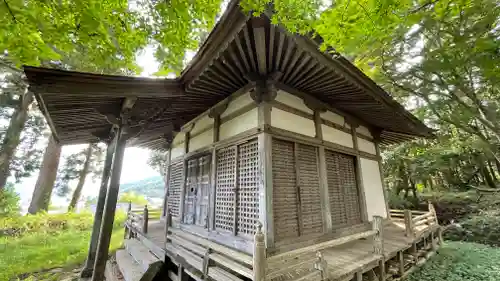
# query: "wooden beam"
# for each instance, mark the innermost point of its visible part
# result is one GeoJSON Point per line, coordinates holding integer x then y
{"type": "Point", "coordinates": [359, 176]}
{"type": "Point", "coordinates": [266, 214]}
{"type": "Point", "coordinates": [258, 25]}
{"type": "Point", "coordinates": [109, 209]}
{"type": "Point", "coordinates": [381, 171]}
{"type": "Point", "coordinates": [325, 198]}
{"type": "Point", "coordinates": [101, 199]}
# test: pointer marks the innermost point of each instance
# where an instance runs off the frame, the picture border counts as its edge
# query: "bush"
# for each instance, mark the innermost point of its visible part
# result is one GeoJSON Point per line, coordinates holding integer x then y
{"type": "Point", "coordinates": [483, 228]}
{"type": "Point", "coordinates": [9, 202]}
{"type": "Point", "coordinates": [459, 261]}
{"type": "Point", "coordinates": [50, 223]}
{"type": "Point", "coordinates": [34, 243]}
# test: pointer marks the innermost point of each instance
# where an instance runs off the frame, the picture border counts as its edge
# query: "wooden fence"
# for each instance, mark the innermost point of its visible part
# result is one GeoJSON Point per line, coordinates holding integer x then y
{"type": "Point", "coordinates": [138, 220]}
{"type": "Point", "coordinates": [415, 221]}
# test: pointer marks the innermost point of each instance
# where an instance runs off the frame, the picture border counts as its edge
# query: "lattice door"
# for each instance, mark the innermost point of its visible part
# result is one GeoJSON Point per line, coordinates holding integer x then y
{"type": "Point", "coordinates": [343, 190]}
{"type": "Point", "coordinates": [202, 195]}
{"type": "Point", "coordinates": [309, 186]}
{"type": "Point", "coordinates": [285, 201]}
{"type": "Point", "coordinates": [191, 189]}
{"type": "Point", "coordinates": [175, 187]}
{"type": "Point", "coordinates": [248, 187]}
{"type": "Point", "coordinates": [224, 190]}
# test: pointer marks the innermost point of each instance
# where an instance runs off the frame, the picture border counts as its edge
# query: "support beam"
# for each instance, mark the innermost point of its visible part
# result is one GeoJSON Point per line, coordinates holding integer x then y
{"type": "Point", "coordinates": [89, 264]}
{"type": "Point", "coordinates": [359, 176]}
{"type": "Point", "coordinates": [376, 138]}
{"type": "Point", "coordinates": [109, 209]}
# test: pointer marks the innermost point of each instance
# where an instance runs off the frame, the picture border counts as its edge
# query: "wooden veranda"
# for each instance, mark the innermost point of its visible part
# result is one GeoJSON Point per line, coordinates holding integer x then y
{"type": "Point", "coordinates": [387, 250]}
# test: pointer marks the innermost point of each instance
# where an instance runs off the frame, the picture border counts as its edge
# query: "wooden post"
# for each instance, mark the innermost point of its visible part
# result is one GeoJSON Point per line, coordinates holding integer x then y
{"type": "Point", "coordinates": [433, 241]}
{"type": "Point", "coordinates": [145, 219]}
{"type": "Point", "coordinates": [96, 227]}
{"type": "Point", "coordinates": [401, 263]}
{"type": "Point", "coordinates": [109, 210]}
{"type": "Point", "coordinates": [432, 210]}
{"type": "Point", "coordinates": [409, 224]}
{"type": "Point", "coordinates": [259, 255]}
{"type": "Point", "coordinates": [378, 239]}
{"type": "Point", "coordinates": [321, 265]}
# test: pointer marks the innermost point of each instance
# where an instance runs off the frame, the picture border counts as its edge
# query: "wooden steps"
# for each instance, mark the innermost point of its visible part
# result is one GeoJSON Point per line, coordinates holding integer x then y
{"type": "Point", "coordinates": [140, 253]}
{"type": "Point", "coordinates": [136, 262]}
{"type": "Point", "coordinates": [129, 268]}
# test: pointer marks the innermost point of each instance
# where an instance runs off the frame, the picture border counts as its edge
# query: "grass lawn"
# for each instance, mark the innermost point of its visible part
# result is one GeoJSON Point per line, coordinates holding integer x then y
{"type": "Point", "coordinates": [461, 261]}
{"type": "Point", "coordinates": [38, 251]}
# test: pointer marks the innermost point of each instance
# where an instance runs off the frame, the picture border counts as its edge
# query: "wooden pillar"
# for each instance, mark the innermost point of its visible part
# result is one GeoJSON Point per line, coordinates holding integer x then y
{"type": "Point", "coordinates": [263, 94]}
{"type": "Point", "coordinates": [318, 108]}
{"type": "Point", "coordinates": [401, 261]}
{"type": "Point", "coordinates": [259, 255]}
{"type": "Point", "coordinates": [378, 239]}
{"type": "Point", "coordinates": [381, 171]}
{"type": "Point", "coordinates": [359, 176]}
{"type": "Point", "coordinates": [409, 224]}
{"type": "Point", "coordinates": [101, 199]}
{"type": "Point", "coordinates": [109, 209]}
{"type": "Point", "coordinates": [145, 219]}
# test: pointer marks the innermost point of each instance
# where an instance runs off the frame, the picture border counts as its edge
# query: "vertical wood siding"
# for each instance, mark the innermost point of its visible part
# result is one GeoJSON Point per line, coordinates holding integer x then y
{"type": "Point", "coordinates": [284, 191]}
{"type": "Point", "coordinates": [310, 198]}
{"type": "Point", "coordinates": [296, 190]}
{"type": "Point", "coordinates": [343, 190]}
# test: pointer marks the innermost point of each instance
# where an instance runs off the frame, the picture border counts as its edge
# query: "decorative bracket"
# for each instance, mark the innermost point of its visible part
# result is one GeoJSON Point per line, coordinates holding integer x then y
{"type": "Point", "coordinates": [218, 109]}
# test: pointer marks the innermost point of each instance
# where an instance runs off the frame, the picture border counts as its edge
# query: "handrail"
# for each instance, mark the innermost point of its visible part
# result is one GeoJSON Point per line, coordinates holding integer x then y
{"type": "Point", "coordinates": [320, 264]}
{"type": "Point", "coordinates": [414, 219]}
{"type": "Point", "coordinates": [322, 246]}
{"type": "Point", "coordinates": [134, 218]}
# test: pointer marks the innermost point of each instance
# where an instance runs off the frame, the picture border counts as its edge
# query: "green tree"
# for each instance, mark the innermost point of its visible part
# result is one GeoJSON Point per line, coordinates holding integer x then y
{"type": "Point", "coordinates": [78, 166]}
{"type": "Point", "coordinates": [132, 197]}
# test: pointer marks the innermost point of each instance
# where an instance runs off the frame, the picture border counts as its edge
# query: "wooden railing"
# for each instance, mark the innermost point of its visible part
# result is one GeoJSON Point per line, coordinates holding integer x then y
{"type": "Point", "coordinates": [295, 258]}
{"type": "Point", "coordinates": [210, 259]}
{"type": "Point", "coordinates": [138, 220]}
{"type": "Point", "coordinates": [415, 221]}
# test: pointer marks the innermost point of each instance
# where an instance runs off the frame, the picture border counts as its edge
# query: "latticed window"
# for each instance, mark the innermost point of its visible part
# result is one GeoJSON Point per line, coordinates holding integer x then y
{"type": "Point", "coordinates": [175, 184]}
{"type": "Point", "coordinates": [196, 199]}
{"type": "Point", "coordinates": [237, 188]}
{"type": "Point", "coordinates": [296, 190]}
{"type": "Point", "coordinates": [343, 190]}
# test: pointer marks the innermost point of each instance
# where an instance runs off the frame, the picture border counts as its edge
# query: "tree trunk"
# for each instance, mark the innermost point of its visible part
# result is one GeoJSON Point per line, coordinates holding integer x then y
{"type": "Point", "coordinates": [13, 136]}
{"type": "Point", "coordinates": [46, 178]}
{"type": "Point", "coordinates": [81, 179]}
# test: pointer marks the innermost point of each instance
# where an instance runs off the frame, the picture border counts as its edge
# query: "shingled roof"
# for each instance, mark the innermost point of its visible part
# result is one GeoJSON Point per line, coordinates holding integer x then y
{"type": "Point", "coordinates": [73, 102]}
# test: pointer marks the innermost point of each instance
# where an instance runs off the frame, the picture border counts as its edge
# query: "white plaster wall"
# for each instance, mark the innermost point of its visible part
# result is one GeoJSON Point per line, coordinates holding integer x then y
{"type": "Point", "coordinates": [336, 136]}
{"type": "Point", "coordinates": [202, 140]}
{"type": "Point", "coordinates": [244, 122]}
{"type": "Point", "coordinates": [237, 103]}
{"type": "Point", "coordinates": [179, 138]}
{"type": "Point", "coordinates": [364, 131]}
{"type": "Point", "coordinates": [366, 146]}
{"type": "Point", "coordinates": [177, 150]}
{"type": "Point", "coordinates": [202, 124]}
{"type": "Point", "coordinates": [292, 101]}
{"type": "Point", "coordinates": [335, 118]}
{"type": "Point", "coordinates": [372, 184]}
{"type": "Point", "coordinates": [291, 122]}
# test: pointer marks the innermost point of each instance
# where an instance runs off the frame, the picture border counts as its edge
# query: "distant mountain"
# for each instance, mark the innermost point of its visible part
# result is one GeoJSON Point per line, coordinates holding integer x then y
{"type": "Point", "coordinates": [153, 187]}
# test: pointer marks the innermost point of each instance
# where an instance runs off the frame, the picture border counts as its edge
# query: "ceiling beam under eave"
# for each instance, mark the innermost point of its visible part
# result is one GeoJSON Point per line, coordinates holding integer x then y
{"type": "Point", "coordinates": [224, 31]}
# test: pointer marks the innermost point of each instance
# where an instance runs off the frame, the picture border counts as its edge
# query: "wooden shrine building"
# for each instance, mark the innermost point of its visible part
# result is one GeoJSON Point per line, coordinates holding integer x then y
{"type": "Point", "coordinates": [273, 170]}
